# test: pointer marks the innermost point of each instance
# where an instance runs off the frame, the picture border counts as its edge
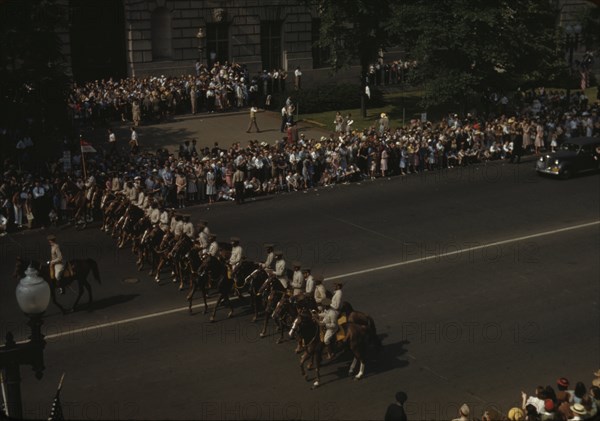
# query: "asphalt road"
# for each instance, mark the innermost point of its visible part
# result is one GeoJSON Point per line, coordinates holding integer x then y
{"type": "Point", "coordinates": [482, 281]}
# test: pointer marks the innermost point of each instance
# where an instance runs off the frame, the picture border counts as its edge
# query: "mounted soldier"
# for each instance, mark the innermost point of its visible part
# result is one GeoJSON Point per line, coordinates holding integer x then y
{"type": "Point", "coordinates": [236, 255]}
{"type": "Point", "coordinates": [297, 279]}
{"type": "Point", "coordinates": [280, 272]}
{"type": "Point", "coordinates": [56, 262]}
{"type": "Point", "coordinates": [270, 259]}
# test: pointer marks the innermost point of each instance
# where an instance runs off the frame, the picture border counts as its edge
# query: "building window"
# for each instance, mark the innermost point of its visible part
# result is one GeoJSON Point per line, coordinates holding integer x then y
{"type": "Point", "coordinates": [162, 47]}
{"type": "Point", "coordinates": [217, 43]}
{"type": "Point", "coordinates": [320, 55]}
{"type": "Point", "coordinates": [270, 44]}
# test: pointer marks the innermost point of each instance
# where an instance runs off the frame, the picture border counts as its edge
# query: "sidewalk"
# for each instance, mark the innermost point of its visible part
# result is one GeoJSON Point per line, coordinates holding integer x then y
{"type": "Point", "coordinates": [224, 128]}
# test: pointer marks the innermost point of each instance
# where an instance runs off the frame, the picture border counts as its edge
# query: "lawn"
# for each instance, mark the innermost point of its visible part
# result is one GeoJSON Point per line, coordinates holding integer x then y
{"type": "Point", "coordinates": [400, 106]}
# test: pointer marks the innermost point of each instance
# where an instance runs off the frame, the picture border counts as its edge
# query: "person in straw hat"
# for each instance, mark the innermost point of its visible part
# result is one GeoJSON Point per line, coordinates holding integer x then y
{"type": "Point", "coordinates": [297, 279]}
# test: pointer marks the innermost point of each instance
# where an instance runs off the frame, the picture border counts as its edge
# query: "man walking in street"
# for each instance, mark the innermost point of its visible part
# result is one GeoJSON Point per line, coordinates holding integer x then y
{"type": "Point", "coordinates": [253, 112]}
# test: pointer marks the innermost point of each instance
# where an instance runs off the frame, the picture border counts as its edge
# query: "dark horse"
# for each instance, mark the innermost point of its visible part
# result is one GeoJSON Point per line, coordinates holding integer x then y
{"type": "Point", "coordinates": [75, 270]}
{"type": "Point", "coordinates": [357, 339]}
{"type": "Point", "coordinates": [250, 277]}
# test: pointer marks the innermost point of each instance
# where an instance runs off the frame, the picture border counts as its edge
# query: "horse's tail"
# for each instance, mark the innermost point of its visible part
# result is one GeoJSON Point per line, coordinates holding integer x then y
{"type": "Point", "coordinates": [373, 332]}
{"type": "Point", "coordinates": [95, 271]}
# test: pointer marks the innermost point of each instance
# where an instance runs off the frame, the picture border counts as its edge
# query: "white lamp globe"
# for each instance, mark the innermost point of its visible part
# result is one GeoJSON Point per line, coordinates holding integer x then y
{"type": "Point", "coordinates": [33, 293]}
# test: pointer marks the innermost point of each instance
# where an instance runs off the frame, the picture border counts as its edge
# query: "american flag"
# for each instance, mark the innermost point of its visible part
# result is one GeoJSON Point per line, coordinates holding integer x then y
{"type": "Point", "coordinates": [56, 412]}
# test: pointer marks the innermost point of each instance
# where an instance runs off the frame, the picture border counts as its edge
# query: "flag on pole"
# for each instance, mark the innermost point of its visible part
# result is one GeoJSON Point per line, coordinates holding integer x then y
{"type": "Point", "coordinates": [56, 412]}
{"type": "Point", "coordinates": [86, 147]}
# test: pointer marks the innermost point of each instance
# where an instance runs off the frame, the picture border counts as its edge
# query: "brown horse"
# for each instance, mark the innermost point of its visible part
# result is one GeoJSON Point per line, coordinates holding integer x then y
{"type": "Point", "coordinates": [308, 328]}
{"type": "Point", "coordinates": [75, 270]}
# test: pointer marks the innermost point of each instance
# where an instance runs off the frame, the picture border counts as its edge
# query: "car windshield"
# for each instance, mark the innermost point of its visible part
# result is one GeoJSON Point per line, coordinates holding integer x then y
{"type": "Point", "coordinates": [573, 147]}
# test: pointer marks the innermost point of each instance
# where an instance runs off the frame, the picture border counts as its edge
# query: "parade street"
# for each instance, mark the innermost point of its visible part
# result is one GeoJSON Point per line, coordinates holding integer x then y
{"type": "Point", "coordinates": [469, 273]}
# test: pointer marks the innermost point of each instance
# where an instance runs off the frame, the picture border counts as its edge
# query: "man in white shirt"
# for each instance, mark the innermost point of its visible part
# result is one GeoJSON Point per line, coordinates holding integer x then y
{"type": "Point", "coordinates": [309, 282]}
{"type": "Point", "coordinates": [236, 254]}
{"type": "Point", "coordinates": [297, 279]}
{"type": "Point", "coordinates": [297, 79]}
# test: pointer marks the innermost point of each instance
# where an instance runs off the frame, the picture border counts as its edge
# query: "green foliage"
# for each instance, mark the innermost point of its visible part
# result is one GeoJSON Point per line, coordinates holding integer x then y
{"type": "Point", "coordinates": [32, 71]}
{"type": "Point", "coordinates": [464, 47]}
{"type": "Point", "coordinates": [330, 97]}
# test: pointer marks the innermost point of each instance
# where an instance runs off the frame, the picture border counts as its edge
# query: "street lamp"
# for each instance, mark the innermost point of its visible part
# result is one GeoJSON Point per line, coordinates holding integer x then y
{"type": "Point", "coordinates": [572, 40]}
{"type": "Point", "coordinates": [33, 296]}
{"type": "Point", "coordinates": [200, 35]}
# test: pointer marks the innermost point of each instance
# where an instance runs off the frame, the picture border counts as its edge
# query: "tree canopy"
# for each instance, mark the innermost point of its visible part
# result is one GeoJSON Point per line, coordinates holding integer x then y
{"type": "Point", "coordinates": [463, 47]}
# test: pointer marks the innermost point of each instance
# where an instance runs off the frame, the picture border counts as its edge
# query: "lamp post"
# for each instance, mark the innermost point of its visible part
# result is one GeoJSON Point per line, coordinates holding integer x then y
{"type": "Point", "coordinates": [200, 35]}
{"type": "Point", "coordinates": [33, 296]}
{"type": "Point", "coordinates": [572, 41]}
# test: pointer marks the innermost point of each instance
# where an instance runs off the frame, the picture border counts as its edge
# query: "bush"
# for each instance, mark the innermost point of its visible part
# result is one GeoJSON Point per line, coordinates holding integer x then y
{"type": "Point", "coordinates": [329, 98]}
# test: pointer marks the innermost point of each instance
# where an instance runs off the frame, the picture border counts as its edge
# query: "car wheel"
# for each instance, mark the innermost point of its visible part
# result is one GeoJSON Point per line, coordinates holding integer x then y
{"type": "Point", "coordinates": [566, 174]}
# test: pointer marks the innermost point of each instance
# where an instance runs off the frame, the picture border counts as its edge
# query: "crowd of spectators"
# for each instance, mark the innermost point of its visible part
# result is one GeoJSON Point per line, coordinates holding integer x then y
{"type": "Point", "coordinates": [533, 123]}
{"type": "Point", "coordinates": [222, 87]}
{"type": "Point", "coordinates": [563, 402]}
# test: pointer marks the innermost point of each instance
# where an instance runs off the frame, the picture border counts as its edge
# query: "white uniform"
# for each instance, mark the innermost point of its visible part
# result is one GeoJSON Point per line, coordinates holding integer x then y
{"type": "Point", "coordinates": [172, 225]}
{"type": "Point", "coordinates": [164, 221]}
{"type": "Point", "coordinates": [56, 260]}
{"type": "Point", "coordinates": [310, 285]}
{"type": "Point", "coordinates": [236, 257]}
{"type": "Point", "coordinates": [320, 294]}
{"type": "Point", "coordinates": [297, 282]}
{"type": "Point", "coordinates": [154, 216]}
{"type": "Point", "coordinates": [329, 320]}
{"type": "Point", "coordinates": [203, 240]}
{"type": "Point", "coordinates": [189, 230]}
{"type": "Point", "coordinates": [178, 229]}
{"type": "Point", "coordinates": [213, 249]}
{"type": "Point", "coordinates": [336, 301]}
{"type": "Point", "coordinates": [269, 261]}
{"type": "Point", "coordinates": [280, 272]}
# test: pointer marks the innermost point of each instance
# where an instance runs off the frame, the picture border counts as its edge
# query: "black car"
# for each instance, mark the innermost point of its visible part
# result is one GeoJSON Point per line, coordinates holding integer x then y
{"type": "Point", "coordinates": [574, 156]}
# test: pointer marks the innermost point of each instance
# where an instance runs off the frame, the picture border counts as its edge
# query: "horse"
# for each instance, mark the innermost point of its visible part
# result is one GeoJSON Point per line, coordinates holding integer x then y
{"type": "Point", "coordinates": [224, 284]}
{"type": "Point", "coordinates": [357, 339]}
{"type": "Point", "coordinates": [254, 276]}
{"type": "Point", "coordinates": [130, 227]}
{"type": "Point", "coordinates": [284, 314]}
{"type": "Point", "coordinates": [272, 291]}
{"type": "Point", "coordinates": [147, 248]}
{"type": "Point", "coordinates": [202, 270]}
{"type": "Point", "coordinates": [75, 270]}
{"type": "Point", "coordinates": [78, 203]}
{"type": "Point", "coordinates": [178, 257]}
{"type": "Point", "coordinates": [163, 253]}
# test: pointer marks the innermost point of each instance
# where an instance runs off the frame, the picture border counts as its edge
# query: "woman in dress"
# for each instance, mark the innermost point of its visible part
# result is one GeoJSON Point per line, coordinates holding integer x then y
{"type": "Point", "coordinates": [526, 135]}
{"type": "Point", "coordinates": [211, 188]}
{"type": "Point", "coordinates": [192, 187]}
{"type": "Point", "coordinates": [539, 138]}
{"type": "Point", "coordinates": [384, 161]}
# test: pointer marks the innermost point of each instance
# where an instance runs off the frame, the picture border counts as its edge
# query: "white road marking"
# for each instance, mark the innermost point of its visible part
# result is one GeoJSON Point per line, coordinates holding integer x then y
{"type": "Point", "coordinates": [346, 275]}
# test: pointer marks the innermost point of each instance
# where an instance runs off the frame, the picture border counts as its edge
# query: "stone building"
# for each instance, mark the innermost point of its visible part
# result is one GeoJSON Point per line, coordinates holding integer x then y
{"type": "Point", "coordinates": [142, 37]}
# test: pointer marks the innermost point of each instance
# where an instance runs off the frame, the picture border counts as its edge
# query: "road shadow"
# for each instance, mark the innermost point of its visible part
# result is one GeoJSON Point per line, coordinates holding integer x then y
{"type": "Point", "coordinates": [387, 358]}
{"type": "Point", "coordinates": [107, 302]}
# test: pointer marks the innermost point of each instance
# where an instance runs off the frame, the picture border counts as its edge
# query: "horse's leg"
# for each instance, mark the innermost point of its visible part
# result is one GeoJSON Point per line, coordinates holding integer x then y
{"type": "Point", "coordinates": [361, 371]}
{"type": "Point", "coordinates": [214, 313]}
{"type": "Point", "coordinates": [228, 302]}
{"type": "Point", "coordinates": [190, 297]}
{"type": "Point", "coordinates": [317, 357]}
{"type": "Point", "coordinates": [253, 303]}
{"type": "Point", "coordinates": [303, 359]}
{"type": "Point", "coordinates": [265, 324]}
{"type": "Point", "coordinates": [55, 301]}
{"type": "Point", "coordinates": [352, 366]}
{"type": "Point", "coordinates": [161, 262]}
{"type": "Point", "coordinates": [204, 294]}
{"type": "Point", "coordinates": [281, 328]}
{"type": "Point", "coordinates": [79, 294]}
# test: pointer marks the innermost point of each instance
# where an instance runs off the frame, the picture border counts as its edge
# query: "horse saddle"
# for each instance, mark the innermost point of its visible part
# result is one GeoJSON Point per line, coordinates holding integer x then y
{"type": "Point", "coordinates": [69, 270]}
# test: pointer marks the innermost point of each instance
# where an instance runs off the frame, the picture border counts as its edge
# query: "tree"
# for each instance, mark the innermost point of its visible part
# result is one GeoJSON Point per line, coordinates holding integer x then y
{"type": "Point", "coordinates": [32, 72]}
{"type": "Point", "coordinates": [353, 30]}
{"type": "Point", "coordinates": [464, 47]}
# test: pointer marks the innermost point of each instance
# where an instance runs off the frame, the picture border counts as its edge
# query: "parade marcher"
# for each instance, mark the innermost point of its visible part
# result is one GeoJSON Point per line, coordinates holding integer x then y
{"type": "Point", "coordinates": [329, 321]}
{"type": "Point", "coordinates": [164, 219]}
{"type": "Point", "coordinates": [270, 260]}
{"type": "Point", "coordinates": [188, 227]}
{"type": "Point", "coordinates": [280, 269]}
{"type": "Point", "coordinates": [336, 300]}
{"type": "Point", "coordinates": [297, 279]}
{"type": "Point", "coordinates": [309, 282]}
{"type": "Point", "coordinates": [236, 254]}
{"type": "Point", "coordinates": [56, 262]}
{"type": "Point", "coordinates": [320, 292]}
{"type": "Point", "coordinates": [154, 214]}
{"type": "Point", "coordinates": [177, 227]}
{"type": "Point", "coordinates": [213, 248]}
